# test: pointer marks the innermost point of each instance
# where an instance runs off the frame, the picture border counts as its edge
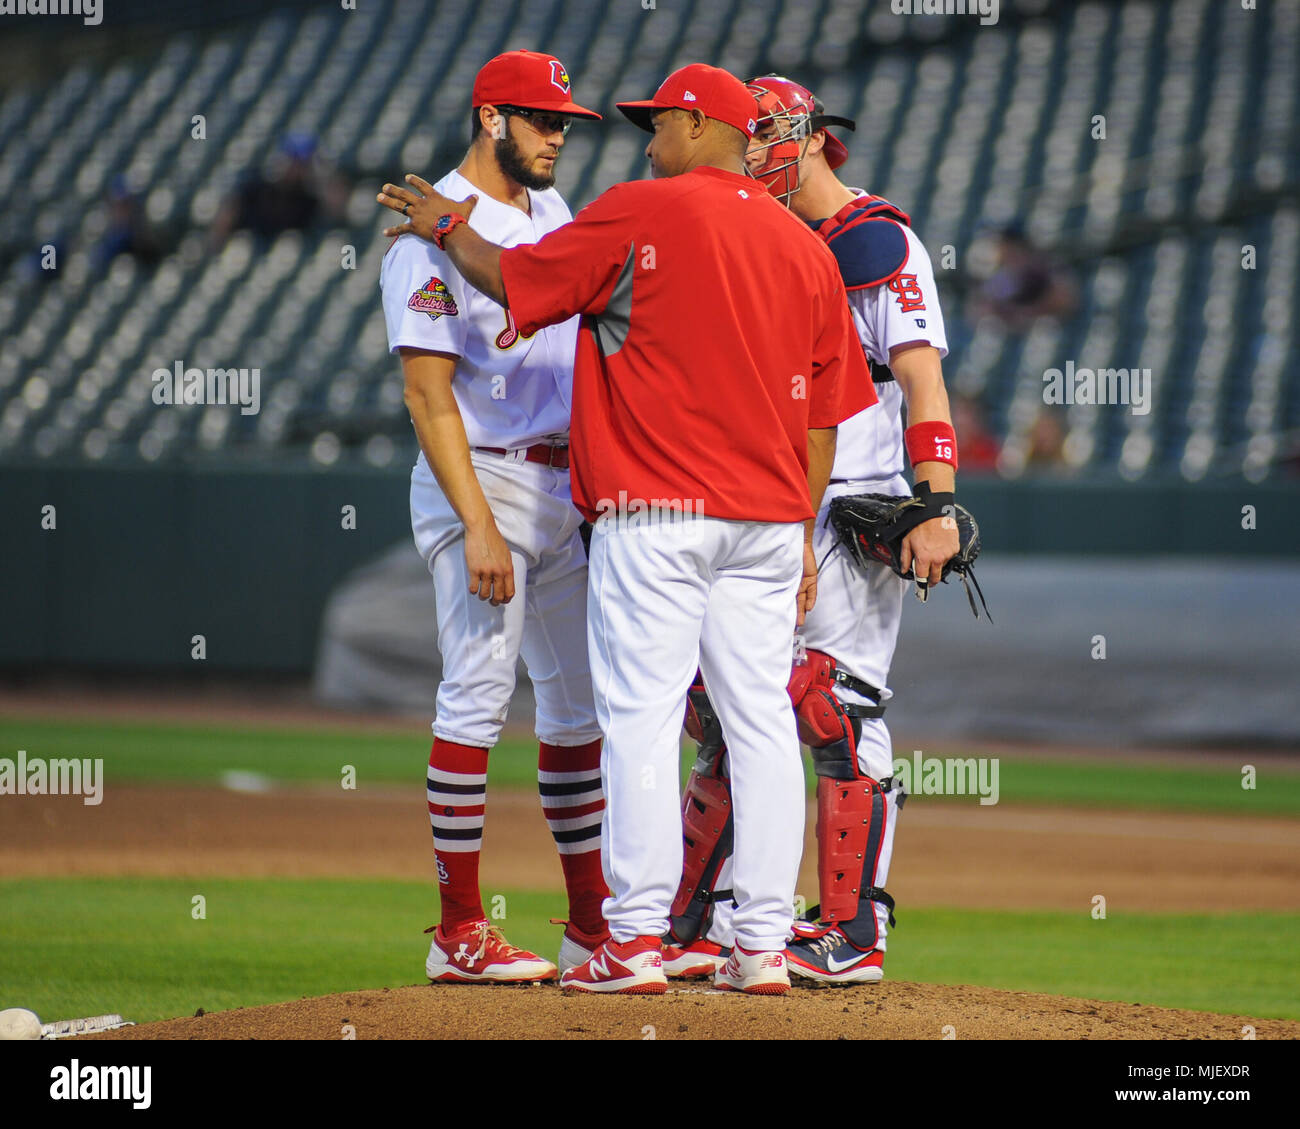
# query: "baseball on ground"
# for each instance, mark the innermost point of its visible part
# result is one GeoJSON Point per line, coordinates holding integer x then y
{"type": "Point", "coordinates": [19, 1023]}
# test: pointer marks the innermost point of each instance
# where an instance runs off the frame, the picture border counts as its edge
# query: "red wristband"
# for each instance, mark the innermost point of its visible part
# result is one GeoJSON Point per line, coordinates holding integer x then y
{"type": "Point", "coordinates": [931, 441]}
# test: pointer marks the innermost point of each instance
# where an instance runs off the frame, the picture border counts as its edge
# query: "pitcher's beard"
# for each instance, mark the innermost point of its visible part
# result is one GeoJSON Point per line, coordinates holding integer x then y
{"type": "Point", "coordinates": [513, 165]}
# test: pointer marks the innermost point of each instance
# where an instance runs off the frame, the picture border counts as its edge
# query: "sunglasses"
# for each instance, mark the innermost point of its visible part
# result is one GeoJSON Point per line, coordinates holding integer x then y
{"type": "Point", "coordinates": [543, 121]}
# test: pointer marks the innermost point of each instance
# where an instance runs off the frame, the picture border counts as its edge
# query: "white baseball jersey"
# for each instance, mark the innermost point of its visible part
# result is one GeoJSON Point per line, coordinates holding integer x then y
{"type": "Point", "coordinates": [869, 447]}
{"type": "Point", "coordinates": [512, 391]}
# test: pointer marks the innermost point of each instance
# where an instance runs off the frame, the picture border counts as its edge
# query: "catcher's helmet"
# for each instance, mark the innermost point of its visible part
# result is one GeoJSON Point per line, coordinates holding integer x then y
{"type": "Point", "coordinates": [788, 115]}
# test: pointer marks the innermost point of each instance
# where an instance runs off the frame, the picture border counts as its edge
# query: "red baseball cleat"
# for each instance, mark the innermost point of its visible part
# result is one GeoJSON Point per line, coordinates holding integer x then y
{"type": "Point", "coordinates": [633, 968]}
{"type": "Point", "coordinates": [699, 958]}
{"type": "Point", "coordinates": [480, 954]}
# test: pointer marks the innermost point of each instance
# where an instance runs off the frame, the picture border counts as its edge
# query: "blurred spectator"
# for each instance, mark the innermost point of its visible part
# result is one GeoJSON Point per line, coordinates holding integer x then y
{"type": "Point", "coordinates": [298, 192]}
{"type": "Point", "coordinates": [977, 446]}
{"type": "Point", "coordinates": [1046, 441]}
{"type": "Point", "coordinates": [1018, 282]}
{"type": "Point", "coordinates": [128, 232]}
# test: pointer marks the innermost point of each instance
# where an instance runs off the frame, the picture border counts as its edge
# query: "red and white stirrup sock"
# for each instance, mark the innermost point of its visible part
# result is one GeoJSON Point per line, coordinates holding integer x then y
{"type": "Point", "coordinates": [568, 781]}
{"type": "Point", "coordinates": [457, 787]}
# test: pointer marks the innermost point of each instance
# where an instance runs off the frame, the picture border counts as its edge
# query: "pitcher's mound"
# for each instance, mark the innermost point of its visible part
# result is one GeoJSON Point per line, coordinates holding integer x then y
{"type": "Point", "coordinates": [696, 1011]}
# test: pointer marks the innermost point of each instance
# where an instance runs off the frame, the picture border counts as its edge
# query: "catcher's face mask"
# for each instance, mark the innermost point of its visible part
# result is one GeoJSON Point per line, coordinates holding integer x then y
{"type": "Point", "coordinates": [788, 116]}
{"type": "Point", "coordinates": [785, 117]}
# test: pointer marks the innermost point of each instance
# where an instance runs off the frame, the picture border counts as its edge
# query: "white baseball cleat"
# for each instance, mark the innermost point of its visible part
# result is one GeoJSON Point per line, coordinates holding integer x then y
{"type": "Point", "coordinates": [576, 947]}
{"type": "Point", "coordinates": [635, 967]}
{"type": "Point", "coordinates": [480, 954]}
{"type": "Point", "coordinates": [758, 973]}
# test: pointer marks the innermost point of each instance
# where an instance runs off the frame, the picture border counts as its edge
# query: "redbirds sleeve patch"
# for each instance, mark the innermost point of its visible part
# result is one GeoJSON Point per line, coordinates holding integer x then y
{"type": "Point", "coordinates": [434, 299]}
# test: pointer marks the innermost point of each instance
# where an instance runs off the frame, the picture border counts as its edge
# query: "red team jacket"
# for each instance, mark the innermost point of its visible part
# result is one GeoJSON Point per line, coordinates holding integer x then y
{"type": "Point", "coordinates": [715, 333]}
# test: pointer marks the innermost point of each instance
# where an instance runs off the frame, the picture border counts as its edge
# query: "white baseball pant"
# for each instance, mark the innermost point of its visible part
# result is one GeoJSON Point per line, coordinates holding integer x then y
{"type": "Point", "coordinates": [662, 600]}
{"type": "Point", "coordinates": [545, 622]}
{"type": "Point", "coordinates": [855, 620]}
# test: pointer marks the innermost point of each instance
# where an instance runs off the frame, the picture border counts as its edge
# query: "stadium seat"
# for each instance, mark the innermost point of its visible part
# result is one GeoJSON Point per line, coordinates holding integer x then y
{"type": "Point", "coordinates": [963, 130]}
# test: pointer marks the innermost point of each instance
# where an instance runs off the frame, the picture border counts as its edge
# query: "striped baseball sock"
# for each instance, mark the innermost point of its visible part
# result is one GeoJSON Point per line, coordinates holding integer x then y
{"type": "Point", "coordinates": [457, 787]}
{"type": "Point", "coordinates": [568, 781]}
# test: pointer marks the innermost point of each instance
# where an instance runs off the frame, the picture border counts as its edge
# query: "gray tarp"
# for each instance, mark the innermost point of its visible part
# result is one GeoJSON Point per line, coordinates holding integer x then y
{"type": "Point", "coordinates": [1197, 652]}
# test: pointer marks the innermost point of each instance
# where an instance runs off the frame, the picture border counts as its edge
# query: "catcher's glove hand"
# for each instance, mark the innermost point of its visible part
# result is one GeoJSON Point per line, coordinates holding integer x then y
{"type": "Point", "coordinates": [872, 527]}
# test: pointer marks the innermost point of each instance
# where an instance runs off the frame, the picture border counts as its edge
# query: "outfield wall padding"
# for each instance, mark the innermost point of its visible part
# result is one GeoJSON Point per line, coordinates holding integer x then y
{"type": "Point", "coordinates": [140, 560]}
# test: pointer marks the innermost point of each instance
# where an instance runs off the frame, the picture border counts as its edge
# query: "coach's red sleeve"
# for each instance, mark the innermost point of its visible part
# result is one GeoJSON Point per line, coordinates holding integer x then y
{"type": "Point", "coordinates": [841, 383]}
{"type": "Point", "coordinates": [573, 269]}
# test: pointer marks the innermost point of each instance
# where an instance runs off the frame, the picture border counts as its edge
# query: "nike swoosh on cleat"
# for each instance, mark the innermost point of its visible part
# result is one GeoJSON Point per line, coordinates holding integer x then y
{"type": "Point", "coordinates": [839, 966]}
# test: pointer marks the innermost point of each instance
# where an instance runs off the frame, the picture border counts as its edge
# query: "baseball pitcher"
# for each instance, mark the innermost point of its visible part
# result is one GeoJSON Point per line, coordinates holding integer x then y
{"type": "Point", "coordinates": [493, 517]}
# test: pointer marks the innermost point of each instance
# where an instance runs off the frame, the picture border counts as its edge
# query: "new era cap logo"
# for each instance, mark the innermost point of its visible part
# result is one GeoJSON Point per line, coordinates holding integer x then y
{"type": "Point", "coordinates": [688, 97]}
{"type": "Point", "coordinates": [753, 125]}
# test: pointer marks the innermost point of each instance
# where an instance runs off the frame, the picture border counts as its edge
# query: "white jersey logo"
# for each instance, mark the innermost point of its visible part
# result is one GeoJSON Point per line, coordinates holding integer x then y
{"type": "Point", "coordinates": [512, 391]}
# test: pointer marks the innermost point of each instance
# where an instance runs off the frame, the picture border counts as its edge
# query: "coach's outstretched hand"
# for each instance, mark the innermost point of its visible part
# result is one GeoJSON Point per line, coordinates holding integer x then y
{"type": "Point", "coordinates": [421, 207]}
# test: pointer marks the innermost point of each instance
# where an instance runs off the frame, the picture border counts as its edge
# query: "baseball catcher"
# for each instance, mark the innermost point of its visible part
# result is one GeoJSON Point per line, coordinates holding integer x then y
{"type": "Point", "coordinates": [874, 534]}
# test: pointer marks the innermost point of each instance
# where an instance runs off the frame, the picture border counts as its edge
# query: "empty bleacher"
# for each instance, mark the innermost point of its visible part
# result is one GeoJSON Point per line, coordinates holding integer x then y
{"type": "Point", "coordinates": [964, 126]}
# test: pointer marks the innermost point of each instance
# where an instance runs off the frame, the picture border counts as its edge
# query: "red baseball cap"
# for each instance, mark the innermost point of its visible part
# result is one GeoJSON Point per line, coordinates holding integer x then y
{"type": "Point", "coordinates": [714, 92]}
{"type": "Point", "coordinates": [529, 80]}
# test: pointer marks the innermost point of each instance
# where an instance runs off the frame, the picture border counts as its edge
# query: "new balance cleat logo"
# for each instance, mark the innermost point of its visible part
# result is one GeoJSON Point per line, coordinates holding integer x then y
{"type": "Point", "coordinates": [633, 967]}
{"type": "Point", "coordinates": [760, 974]}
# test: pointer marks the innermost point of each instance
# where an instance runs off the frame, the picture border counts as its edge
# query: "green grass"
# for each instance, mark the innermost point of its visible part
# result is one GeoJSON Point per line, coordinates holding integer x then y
{"type": "Point", "coordinates": [1239, 963]}
{"type": "Point", "coordinates": [201, 753]}
{"type": "Point", "coordinates": [195, 753]}
{"type": "Point", "coordinates": [74, 947]}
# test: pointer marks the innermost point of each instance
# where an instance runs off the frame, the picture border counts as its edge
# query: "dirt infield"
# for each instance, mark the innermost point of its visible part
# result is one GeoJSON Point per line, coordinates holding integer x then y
{"type": "Point", "coordinates": [955, 855]}
{"type": "Point", "coordinates": [997, 857]}
{"type": "Point", "coordinates": [877, 1011]}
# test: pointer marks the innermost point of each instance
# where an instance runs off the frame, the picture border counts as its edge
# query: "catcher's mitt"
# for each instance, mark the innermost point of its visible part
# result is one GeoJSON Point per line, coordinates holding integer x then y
{"type": "Point", "coordinates": [872, 527]}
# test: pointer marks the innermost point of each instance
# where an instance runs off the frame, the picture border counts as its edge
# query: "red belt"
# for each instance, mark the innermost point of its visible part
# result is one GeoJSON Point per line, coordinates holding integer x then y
{"type": "Point", "coordinates": [538, 453]}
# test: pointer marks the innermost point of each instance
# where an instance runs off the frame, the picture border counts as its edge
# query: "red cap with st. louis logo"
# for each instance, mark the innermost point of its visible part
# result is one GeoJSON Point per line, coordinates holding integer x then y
{"type": "Point", "coordinates": [529, 80]}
